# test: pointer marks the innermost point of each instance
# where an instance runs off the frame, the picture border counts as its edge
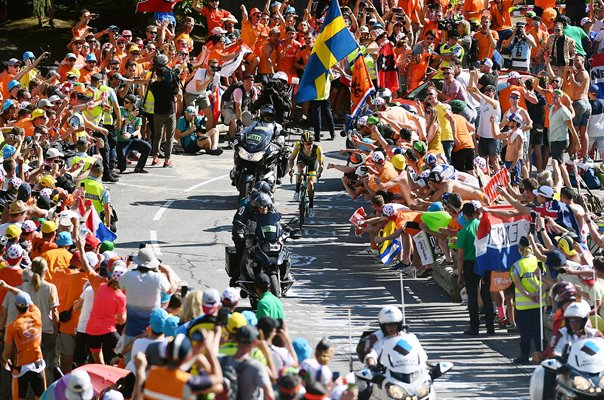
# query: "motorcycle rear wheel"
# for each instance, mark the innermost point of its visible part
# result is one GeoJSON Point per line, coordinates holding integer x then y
{"type": "Point", "coordinates": [275, 286]}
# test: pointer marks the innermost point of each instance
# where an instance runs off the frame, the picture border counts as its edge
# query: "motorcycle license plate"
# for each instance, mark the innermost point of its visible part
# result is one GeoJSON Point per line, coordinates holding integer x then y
{"type": "Point", "coordinates": [274, 247]}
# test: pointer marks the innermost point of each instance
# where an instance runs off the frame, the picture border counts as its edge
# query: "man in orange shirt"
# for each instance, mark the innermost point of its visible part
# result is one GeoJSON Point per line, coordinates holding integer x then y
{"type": "Point", "coordinates": [253, 34]}
{"type": "Point", "coordinates": [88, 69]}
{"type": "Point", "coordinates": [214, 16]}
{"type": "Point", "coordinates": [287, 53]}
{"type": "Point", "coordinates": [537, 30]}
{"type": "Point", "coordinates": [268, 57]}
{"type": "Point", "coordinates": [486, 38]}
{"type": "Point", "coordinates": [24, 335]}
{"type": "Point", "coordinates": [501, 18]}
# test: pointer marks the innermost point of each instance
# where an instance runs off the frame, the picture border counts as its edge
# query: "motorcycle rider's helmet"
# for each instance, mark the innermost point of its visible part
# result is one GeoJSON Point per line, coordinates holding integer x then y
{"type": "Point", "coordinates": [267, 113]}
{"type": "Point", "coordinates": [261, 200]}
{"type": "Point", "coordinates": [307, 137]}
{"type": "Point", "coordinates": [262, 187]}
{"type": "Point", "coordinates": [564, 292]}
{"type": "Point", "coordinates": [390, 315]}
{"type": "Point", "coordinates": [576, 310]}
{"type": "Point", "coordinates": [281, 76]}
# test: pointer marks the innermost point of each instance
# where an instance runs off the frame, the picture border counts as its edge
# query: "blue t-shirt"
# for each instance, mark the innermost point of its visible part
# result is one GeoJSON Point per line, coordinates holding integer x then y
{"type": "Point", "coordinates": [184, 125]}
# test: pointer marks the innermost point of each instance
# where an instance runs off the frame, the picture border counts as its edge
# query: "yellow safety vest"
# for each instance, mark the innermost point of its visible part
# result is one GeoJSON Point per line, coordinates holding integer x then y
{"type": "Point", "coordinates": [95, 192]}
{"type": "Point", "coordinates": [88, 161]}
{"type": "Point", "coordinates": [96, 114]}
{"type": "Point", "coordinates": [526, 269]}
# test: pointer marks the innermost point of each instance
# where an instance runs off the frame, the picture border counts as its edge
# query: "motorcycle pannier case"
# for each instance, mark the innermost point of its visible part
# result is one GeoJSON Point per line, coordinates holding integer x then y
{"type": "Point", "coordinates": [230, 256]}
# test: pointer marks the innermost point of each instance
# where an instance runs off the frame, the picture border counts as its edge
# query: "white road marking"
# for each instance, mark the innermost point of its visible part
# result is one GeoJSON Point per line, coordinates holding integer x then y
{"type": "Point", "coordinates": [162, 210]}
{"type": "Point", "coordinates": [200, 184]}
{"type": "Point", "coordinates": [155, 243]}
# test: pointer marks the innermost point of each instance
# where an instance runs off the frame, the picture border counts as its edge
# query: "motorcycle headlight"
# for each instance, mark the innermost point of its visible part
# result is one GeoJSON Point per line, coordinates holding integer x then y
{"type": "Point", "coordinates": [396, 392]}
{"type": "Point", "coordinates": [601, 382]}
{"type": "Point", "coordinates": [249, 156]}
{"type": "Point", "coordinates": [271, 247]}
{"type": "Point", "coordinates": [580, 383]}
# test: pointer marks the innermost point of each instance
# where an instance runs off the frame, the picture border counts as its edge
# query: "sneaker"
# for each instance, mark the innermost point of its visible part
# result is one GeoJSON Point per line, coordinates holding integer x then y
{"type": "Point", "coordinates": [398, 266]}
{"type": "Point", "coordinates": [110, 178]}
{"type": "Point", "coordinates": [332, 135]}
{"type": "Point", "coordinates": [168, 163]}
{"type": "Point", "coordinates": [510, 327]}
{"type": "Point", "coordinates": [214, 152]}
{"type": "Point", "coordinates": [408, 270]}
{"type": "Point", "coordinates": [311, 212]}
{"type": "Point", "coordinates": [296, 196]}
{"type": "Point", "coordinates": [140, 171]}
{"type": "Point", "coordinates": [521, 360]}
{"type": "Point", "coordinates": [155, 161]}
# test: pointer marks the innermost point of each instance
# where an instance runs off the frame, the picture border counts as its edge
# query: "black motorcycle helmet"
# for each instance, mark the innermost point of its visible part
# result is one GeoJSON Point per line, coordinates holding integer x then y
{"type": "Point", "coordinates": [262, 187]}
{"type": "Point", "coordinates": [267, 113]}
{"type": "Point", "coordinates": [261, 200]}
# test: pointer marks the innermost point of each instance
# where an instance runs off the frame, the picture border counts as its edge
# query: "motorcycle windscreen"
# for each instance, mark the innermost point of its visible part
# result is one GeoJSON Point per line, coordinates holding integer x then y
{"type": "Point", "coordinates": [268, 227]}
{"type": "Point", "coordinates": [258, 138]}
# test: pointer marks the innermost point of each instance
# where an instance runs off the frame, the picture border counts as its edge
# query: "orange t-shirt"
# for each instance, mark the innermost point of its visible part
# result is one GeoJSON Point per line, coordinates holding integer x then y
{"type": "Point", "coordinates": [408, 7]}
{"type": "Point", "coordinates": [40, 246]}
{"type": "Point", "coordinates": [462, 134]}
{"type": "Point", "coordinates": [214, 17]}
{"type": "Point", "coordinates": [251, 34]}
{"type": "Point", "coordinates": [27, 126]}
{"type": "Point", "coordinates": [58, 261]}
{"type": "Point", "coordinates": [286, 64]}
{"type": "Point", "coordinates": [85, 74]}
{"type": "Point", "coordinates": [485, 49]}
{"type": "Point", "coordinates": [75, 282]}
{"type": "Point", "coordinates": [12, 276]}
{"type": "Point", "coordinates": [504, 97]}
{"type": "Point", "coordinates": [263, 66]}
{"type": "Point", "coordinates": [404, 216]}
{"type": "Point", "coordinates": [386, 174]}
{"type": "Point", "coordinates": [473, 6]}
{"type": "Point", "coordinates": [500, 14]}
{"type": "Point", "coordinates": [545, 4]}
{"type": "Point", "coordinates": [26, 332]}
{"type": "Point", "coordinates": [4, 85]}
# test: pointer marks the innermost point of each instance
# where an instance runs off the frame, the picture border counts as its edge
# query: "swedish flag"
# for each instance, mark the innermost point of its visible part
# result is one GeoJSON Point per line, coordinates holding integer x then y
{"type": "Point", "coordinates": [334, 43]}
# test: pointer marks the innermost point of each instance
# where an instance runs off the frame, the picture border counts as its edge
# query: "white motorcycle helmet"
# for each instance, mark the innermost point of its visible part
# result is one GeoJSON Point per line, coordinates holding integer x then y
{"type": "Point", "coordinates": [587, 355]}
{"type": "Point", "coordinates": [577, 310]}
{"type": "Point", "coordinates": [390, 315]}
{"type": "Point", "coordinates": [401, 356]}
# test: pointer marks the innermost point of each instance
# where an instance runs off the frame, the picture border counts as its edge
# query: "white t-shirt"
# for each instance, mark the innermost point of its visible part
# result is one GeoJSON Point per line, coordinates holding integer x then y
{"type": "Point", "coordinates": [316, 371]}
{"type": "Point", "coordinates": [88, 297]}
{"type": "Point", "coordinates": [191, 87]}
{"type": "Point", "coordinates": [139, 345]}
{"type": "Point", "coordinates": [144, 289]}
{"type": "Point", "coordinates": [484, 126]}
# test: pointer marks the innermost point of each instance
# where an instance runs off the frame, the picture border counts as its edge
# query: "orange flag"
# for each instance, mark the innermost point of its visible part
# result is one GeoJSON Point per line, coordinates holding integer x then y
{"type": "Point", "coordinates": [360, 86]}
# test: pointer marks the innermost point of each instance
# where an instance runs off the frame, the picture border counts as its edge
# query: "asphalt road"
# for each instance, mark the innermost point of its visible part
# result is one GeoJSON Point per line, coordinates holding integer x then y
{"type": "Point", "coordinates": [185, 213]}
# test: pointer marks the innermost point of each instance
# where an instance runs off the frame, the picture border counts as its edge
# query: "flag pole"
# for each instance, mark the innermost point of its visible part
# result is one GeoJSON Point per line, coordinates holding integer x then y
{"type": "Point", "coordinates": [403, 298]}
{"type": "Point", "coordinates": [350, 340]}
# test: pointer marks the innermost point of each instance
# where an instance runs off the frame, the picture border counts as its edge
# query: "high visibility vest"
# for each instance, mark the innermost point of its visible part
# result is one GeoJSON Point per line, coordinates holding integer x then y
{"type": "Point", "coordinates": [166, 384]}
{"type": "Point", "coordinates": [526, 269]}
{"type": "Point", "coordinates": [94, 191]}
{"type": "Point", "coordinates": [88, 161]}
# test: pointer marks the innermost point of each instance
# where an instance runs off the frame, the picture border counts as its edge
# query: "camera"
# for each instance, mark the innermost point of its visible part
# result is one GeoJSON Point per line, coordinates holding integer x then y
{"type": "Point", "coordinates": [94, 16]}
{"type": "Point", "coordinates": [520, 28]}
{"type": "Point", "coordinates": [397, 10]}
{"type": "Point", "coordinates": [369, 9]}
{"type": "Point", "coordinates": [447, 24]}
{"type": "Point", "coordinates": [215, 68]}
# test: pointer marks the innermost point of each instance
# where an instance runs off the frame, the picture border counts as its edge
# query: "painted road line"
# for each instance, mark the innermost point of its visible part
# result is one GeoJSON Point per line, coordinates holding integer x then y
{"type": "Point", "coordinates": [162, 210]}
{"type": "Point", "coordinates": [154, 243]}
{"type": "Point", "coordinates": [198, 185]}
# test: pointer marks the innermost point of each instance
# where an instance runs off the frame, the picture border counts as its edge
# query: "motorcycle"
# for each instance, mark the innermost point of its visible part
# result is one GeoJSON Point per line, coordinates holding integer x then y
{"type": "Point", "coordinates": [266, 252]}
{"type": "Point", "coordinates": [260, 151]}
{"type": "Point", "coordinates": [581, 376]}
{"type": "Point", "coordinates": [401, 374]}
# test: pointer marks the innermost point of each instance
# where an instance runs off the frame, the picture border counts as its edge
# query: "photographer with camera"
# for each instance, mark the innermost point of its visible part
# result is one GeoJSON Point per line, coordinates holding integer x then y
{"type": "Point", "coordinates": [193, 136]}
{"type": "Point", "coordinates": [519, 46]}
{"type": "Point", "coordinates": [450, 50]}
{"type": "Point", "coordinates": [81, 28]}
{"type": "Point", "coordinates": [237, 99]}
{"type": "Point", "coordinates": [275, 92]}
{"type": "Point", "coordinates": [198, 91]}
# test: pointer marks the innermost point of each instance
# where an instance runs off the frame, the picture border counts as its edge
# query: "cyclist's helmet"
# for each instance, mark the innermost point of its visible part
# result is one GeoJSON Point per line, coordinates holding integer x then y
{"type": "Point", "coordinates": [267, 113]}
{"type": "Point", "coordinates": [261, 200]}
{"type": "Point", "coordinates": [262, 187]}
{"type": "Point", "coordinates": [564, 292]}
{"type": "Point", "coordinates": [307, 136]}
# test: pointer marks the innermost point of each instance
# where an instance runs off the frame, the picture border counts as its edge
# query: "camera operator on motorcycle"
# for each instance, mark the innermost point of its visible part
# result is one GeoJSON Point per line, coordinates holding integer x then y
{"type": "Point", "coordinates": [236, 100]}
{"type": "Point", "coordinates": [276, 93]}
{"type": "Point", "coordinates": [309, 155]}
{"type": "Point", "coordinates": [258, 202]}
{"type": "Point", "coordinates": [391, 324]}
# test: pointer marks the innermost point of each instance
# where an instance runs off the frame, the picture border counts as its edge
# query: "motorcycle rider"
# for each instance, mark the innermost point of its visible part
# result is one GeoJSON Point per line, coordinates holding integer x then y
{"type": "Point", "coordinates": [309, 155]}
{"type": "Point", "coordinates": [391, 324]}
{"type": "Point", "coordinates": [275, 93]}
{"type": "Point", "coordinates": [248, 207]}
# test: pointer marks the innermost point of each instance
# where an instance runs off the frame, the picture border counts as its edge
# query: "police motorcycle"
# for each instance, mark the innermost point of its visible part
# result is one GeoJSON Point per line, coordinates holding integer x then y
{"type": "Point", "coordinates": [267, 252]}
{"type": "Point", "coordinates": [401, 371]}
{"type": "Point", "coordinates": [260, 153]}
{"type": "Point", "coordinates": [580, 376]}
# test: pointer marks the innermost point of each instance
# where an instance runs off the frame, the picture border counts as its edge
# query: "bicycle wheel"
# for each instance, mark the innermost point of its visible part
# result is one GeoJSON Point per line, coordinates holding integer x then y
{"type": "Point", "coordinates": [302, 205]}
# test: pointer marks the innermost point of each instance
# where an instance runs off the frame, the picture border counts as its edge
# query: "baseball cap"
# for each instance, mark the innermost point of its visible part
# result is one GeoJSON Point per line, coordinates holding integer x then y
{"type": "Point", "coordinates": [250, 317]}
{"type": "Point", "coordinates": [49, 226]}
{"type": "Point", "coordinates": [28, 55]}
{"type": "Point", "coordinates": [8, 151]}
{"type": "Point", "coordinates": [219, 31]}
{"type": "Point", "coordinates": [247, 334]}
{"type": "Point", "coordinates": [436, 206]}
{"type": "Point", "coordinates": [92, 259]}
{"type": "Point", "coordinates": [585, 21]}
{"type": "Point", "coordinates": [211, 297]}
{"type": "Point", "coordinates": [229, 297]}
{"type": "Point", "coordinates": [544, 191]}
{"type": "Point", "coordinates": [377, 157]}
{"type": "Point", "coordinates": [254, 11]}
{"type": "Point", "coordinates": [38, 113]}
{"type": "Point", "coordinates": [126, 32]}
{"type": "Point", "coordinates": [23, 300]}
{"type": "Point", "coordinates": [44, 103]}
{"type": "Point", "coordinates": [29, 226]}
{"type": "Point", "coordinates": [96, 77]}
{"type": "Point", "coordinates": [13, 61]}
{"type": "Point", "coordinates": [13, 84]}
{"type": "Point", "coordinates": [13, 231]}
{"type": "Point", "coordinates": [171, 325]}
{"type": "Point", "coordinates": [71, 56]}
{"type": "Point", "coordinates": [79, 386]}
{"type": "Point", "coordinates": [8, 103]}
{"type": "Point", "coordinates": [565, 244]}
{"type": "Point", "coordinates": [419, 146]}
{"type": "Point", "coordinates": [190, 110]}
{"type": "Point", "coordinates": [513, 75]}
{"type": "Point", "coordinates": [53, 153]}
{"type": "Point", "coordinates": [594, 88]}
{"type": "Point", "coordinates": [364, 29]}
{"type": "Point", "coordinates": [64, 239]}
{"type": "Point", "coordinates": [157, 319]}
{"type": "Point", "coordinates": [91, 57]}
{"type": "Point", "coordinates": [112, 395]}
{"type": "Point", "coordinates": [555, 259]}
{"type": "Point", "coordinates": [92, 241]}
{"type": "Point", "coordinates": [515, 93]}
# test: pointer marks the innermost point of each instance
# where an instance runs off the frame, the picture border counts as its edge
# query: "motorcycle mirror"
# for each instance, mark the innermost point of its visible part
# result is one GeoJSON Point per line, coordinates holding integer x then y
{"type": "Point", "coordinates": [296, 234]}
{"type": "Point", "coordinates": [293, 221]}
{"type": "Point", "coordinates": [440, 369]}
{"type": "Point", "coordinates": [365, 375]}
{"type": "Point", "coordinates": [552, 365]}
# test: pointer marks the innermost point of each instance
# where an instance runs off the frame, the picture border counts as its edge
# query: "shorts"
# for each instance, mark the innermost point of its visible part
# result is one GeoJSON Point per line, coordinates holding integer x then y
{"type": "Point", "coordinates": [191, 148]}
{"type": "Point", "coordinates": [228, 113]}
{"type": "Point", "coordinates": [489, 147]}
{"type": "Point", "coordinates": [514, 173]}
{"type": "Point", "coordinates": [598, 142]}
{"type": "Point", "coordinates": [311, 163]}
{"type": "Point", "coordinates": [202, 101]}
{"type": "Point", "coordinates": [67, 344]}
{"type": "Point", "coordinates": [557, 150]}
{"type": "Point", "coordinates": [463, 159]}
{"type": "Point", "coordinates": [545, 138]}
{"type": "Point", "coordinates": [582, 112]}
{"type": "Point", "coordinates": [108, 341]}
{"type": "Point", "coordinates": [37, 381]}
{"type": "Point", "coordinates": [536, 137]}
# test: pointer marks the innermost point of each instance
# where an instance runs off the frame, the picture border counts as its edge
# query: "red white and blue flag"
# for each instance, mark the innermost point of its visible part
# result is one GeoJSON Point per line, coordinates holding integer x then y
{"type": "Point", "coordinates": [497, 241]}
{"type": "Point", "coordinates": [597, 73]}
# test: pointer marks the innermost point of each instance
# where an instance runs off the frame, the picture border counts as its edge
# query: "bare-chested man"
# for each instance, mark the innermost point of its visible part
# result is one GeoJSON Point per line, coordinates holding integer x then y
{"type": "Point", "coordinates": [577, 86]}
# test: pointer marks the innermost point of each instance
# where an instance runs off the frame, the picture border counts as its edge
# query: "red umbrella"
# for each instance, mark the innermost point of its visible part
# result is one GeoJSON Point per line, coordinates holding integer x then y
{"type": "Point", "coordinates": [103, 376]}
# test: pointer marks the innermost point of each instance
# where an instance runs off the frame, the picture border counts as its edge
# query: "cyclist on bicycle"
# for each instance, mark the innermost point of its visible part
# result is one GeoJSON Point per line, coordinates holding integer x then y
{"type": "Point", "coordinates": [309, 155]}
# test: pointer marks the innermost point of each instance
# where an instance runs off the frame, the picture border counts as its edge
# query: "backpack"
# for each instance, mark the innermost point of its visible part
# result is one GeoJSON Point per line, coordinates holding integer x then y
{"type": "Point", "coordinates": [473, 51]}
{"type": "Point", "coordinates": [230, 374]}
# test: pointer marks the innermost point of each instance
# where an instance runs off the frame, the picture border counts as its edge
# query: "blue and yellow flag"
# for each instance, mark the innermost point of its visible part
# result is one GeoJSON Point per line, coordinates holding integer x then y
{"type": "Point", "coordinates": [334, 43]}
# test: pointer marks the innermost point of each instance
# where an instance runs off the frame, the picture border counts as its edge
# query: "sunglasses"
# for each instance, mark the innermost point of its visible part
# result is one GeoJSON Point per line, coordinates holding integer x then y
{"type": "Point", "coordinates": [152, 32]}
{"type": "Point", "coordinates": [430, 39]}
{"type": "Point", "coordinates": [127, 36]}
{"type": "Point", "coordinates": [556, 30]}
{"type": "Point", "coordinates": [128, 102]}
{"type": "Point", "coordinates": [514, 98]}
{"type": "Point", "coordinates": [446, 73]}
